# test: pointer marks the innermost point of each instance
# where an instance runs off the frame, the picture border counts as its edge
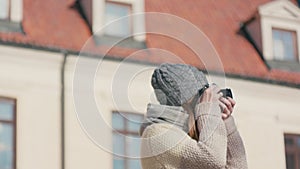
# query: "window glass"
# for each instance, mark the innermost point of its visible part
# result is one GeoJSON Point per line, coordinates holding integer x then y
{"type": "Point", "coordinates": [298, 141]}
{"type": "Point", "coordinates": [118, 121]}
{"type": "Point", "coordinates": [134, 122]}
{"type": "Point", "coordinates": [292, 151]}
{"type": "Point", "coordinates": [128, 144]}
{"type": "Point", "coordinates": [119, 28]}
{"type": "Point", "coordinates": [6, 146]}
{"type": "Point", "coordinates": [290, 161]}
{"type": "Point", "coordinates": [119, 163]}
{"type": "Point", "coordinates": [134, 164]}
{"type": "Point", "coordinates": [118, 143]}
{"type": "Point", "coordinates": [288, 141]}
{"type": "Point", "coordinates": [134, 143]}
{"type": "Point", "coordinates": [4, 9]}
{"type": "Point", "coordinates": [284, 45]}
{"type": "Point", "coordinates": [6, 110]}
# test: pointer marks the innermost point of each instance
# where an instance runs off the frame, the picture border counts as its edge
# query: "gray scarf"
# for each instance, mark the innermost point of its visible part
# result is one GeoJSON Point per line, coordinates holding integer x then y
{"type": "Point", "coordinates": [157, 113]}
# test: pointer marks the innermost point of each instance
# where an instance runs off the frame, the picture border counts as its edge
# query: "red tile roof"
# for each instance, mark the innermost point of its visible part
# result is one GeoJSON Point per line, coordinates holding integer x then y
{"type": "Point", "coordinates": [220, 21]}
{"type": "Point", "coordinates": [54, 24]}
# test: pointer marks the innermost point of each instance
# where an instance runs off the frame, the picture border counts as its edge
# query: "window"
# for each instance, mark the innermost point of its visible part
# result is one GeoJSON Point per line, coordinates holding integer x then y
{"type": "Point", "coordinates": [105, 11]}
{"type": "Point", "coordinates": [292, 151]}
{"type": "Point", "coordinates": [11, 13]}
{"type": "Point", "coordinates": [4, 9]}
{"type": "Point", "coordinates": [284, 45]}
{"type": "Point", "coordinates": [276, 31]}
{"type": "Point", "coordinates": [113, 11]}
{"type": "Point", "coordinates": [7, 134]}
{"type": "Point", "coordinates": [126, 124]}
{"type": "Point", "coordinates": [119, 23]}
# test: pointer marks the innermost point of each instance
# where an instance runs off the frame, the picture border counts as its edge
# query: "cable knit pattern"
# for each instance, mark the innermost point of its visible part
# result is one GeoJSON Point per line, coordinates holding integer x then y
{"type": "Point", "coordinates": [175, 84]}
{"type": "Point", "coordinates": [169, 147]}
{"type": "Point", "coordinates": [236, 155]}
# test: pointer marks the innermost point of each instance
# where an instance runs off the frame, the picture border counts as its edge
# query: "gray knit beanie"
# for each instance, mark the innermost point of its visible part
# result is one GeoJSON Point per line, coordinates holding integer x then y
{"type": "Point", "coordinates": [175, 84]}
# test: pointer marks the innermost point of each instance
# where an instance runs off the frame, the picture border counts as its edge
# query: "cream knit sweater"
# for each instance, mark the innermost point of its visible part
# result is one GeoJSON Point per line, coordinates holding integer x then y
{"type": "Point", "coordinates": [165, 146]}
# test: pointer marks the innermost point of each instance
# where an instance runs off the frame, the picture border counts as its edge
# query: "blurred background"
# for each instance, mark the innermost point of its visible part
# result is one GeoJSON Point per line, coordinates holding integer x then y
{"type": "Point", "coordinates": [258, 46]}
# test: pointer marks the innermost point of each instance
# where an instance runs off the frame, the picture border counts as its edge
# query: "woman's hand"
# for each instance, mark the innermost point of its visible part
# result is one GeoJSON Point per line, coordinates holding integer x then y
{"type": "Point", "coordinates": [227, 105]}
{"type": "Point", "coordinates": [211, 95]}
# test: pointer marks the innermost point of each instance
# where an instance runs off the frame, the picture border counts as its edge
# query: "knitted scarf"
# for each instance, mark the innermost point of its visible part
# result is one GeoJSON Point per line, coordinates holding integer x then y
{"type": "Point", "coordinates": [157, 113]}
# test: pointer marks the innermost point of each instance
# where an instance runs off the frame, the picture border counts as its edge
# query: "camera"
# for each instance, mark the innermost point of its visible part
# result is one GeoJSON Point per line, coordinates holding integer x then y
{"type": "Point", "coordinates": [226, 92]}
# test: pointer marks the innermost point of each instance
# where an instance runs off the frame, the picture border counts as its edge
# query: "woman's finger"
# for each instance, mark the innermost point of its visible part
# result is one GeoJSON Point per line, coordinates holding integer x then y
{"type": "Point", "coordinates": [224, 108]}
{"type": "Point", "coordinates": [224, 116]}
{"type": "Point", "coordinates": [233, 102]}
{"type": "Point", "coordinates": [227, 103]}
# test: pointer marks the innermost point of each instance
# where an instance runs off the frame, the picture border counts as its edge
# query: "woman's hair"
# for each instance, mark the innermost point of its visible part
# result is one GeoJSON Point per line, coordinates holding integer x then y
{"type": "Point", "coordinates": [192, 124]}
{"type": "Point", "coordinates": [193, 132]}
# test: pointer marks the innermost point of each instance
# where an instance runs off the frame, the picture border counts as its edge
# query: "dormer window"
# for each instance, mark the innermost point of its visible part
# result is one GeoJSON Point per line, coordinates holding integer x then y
{"type": "Point", "coordinates": [275, 33]}
{"type": "Point", "coordinates": [285, 45]}
{"type": "Point", "coordinates": [108, 32]}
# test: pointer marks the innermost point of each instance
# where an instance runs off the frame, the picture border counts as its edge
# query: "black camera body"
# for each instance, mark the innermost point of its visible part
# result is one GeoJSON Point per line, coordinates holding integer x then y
{"type": "Point", "coordinates": [226, 92]}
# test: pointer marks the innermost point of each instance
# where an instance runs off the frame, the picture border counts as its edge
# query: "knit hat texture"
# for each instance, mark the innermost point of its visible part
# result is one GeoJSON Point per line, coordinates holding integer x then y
{"type": "Point", "coordinates": [175, 84]}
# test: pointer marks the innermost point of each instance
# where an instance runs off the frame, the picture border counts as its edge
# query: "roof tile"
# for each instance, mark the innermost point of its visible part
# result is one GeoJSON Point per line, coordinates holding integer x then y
{"type": "Point", "coordinates": [55, 24]}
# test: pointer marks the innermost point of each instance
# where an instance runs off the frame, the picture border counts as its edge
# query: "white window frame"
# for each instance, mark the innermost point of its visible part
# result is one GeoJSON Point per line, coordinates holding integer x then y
{"type": "Point", "coordinates": [280, 14]}
{"type": "Point", "coordinates": [15, 11]}
{"type": "Point", "coordinates": [138, 22]}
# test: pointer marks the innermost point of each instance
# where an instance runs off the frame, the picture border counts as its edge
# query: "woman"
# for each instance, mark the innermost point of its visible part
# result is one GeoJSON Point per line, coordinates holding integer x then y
{"type": "Point", "coordinates": [187, 129]}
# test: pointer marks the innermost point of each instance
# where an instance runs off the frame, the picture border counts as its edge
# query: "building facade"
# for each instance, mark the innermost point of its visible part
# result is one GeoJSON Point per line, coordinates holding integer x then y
{"type": "Point", "coordinates": [67, 100]}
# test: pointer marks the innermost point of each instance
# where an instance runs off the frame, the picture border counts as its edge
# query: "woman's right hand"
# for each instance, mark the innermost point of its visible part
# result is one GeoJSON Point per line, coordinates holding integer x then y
{"type": "Point", "coordinates": [227, 105]}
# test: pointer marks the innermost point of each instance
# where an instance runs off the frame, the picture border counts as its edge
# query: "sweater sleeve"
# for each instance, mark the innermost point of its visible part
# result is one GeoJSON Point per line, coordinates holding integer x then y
{"type": "Point", "coordinates": [236, 155]}
{"type": "Point", "coordinates": [171, 147]}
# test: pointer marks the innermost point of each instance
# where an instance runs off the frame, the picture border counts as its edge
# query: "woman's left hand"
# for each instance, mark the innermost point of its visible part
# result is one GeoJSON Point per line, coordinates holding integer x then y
{"type": "Point", "coordinates": [227, 104]}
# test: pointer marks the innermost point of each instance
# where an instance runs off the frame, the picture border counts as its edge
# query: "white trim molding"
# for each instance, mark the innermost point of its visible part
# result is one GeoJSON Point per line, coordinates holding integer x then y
{"type": "Point", "coordinates": [280, 14]}
{"type": "Point", "coordinates": [16, 12]}
{"type": "Point", "coordinates": [137, 8]}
